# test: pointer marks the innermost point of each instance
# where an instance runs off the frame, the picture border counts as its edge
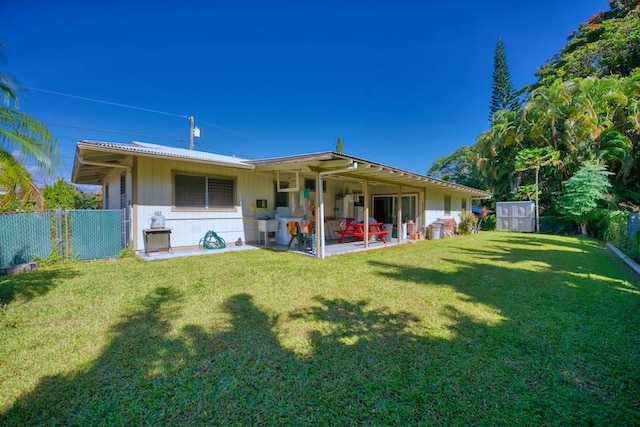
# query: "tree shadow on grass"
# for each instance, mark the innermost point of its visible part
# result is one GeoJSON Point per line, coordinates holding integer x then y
{"type": "Point", "coordinates": [366, 364]}
{"type": "Point", "coordinates": [28, 285]}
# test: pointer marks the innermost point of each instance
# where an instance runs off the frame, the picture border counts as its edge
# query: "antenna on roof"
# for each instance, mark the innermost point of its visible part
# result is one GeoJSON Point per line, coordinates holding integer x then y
{"type": "Point", "coordinates": [194, 132]}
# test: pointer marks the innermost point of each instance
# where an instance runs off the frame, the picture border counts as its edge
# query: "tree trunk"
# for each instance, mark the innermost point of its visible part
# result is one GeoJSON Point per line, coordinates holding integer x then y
{"type": "Point", "coordinates": [583, 228]}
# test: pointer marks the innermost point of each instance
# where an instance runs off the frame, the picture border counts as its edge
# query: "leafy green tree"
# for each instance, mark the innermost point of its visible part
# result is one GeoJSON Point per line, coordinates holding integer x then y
{"type": "Point", "coordinates": [534, 159]}
{"type": "Point", "coordinates": [583, 191]}
{"type": "Point", "coordinates": [590, 119]}
{"type": "Point", "coordinates": [339, 146]}
{"type": "Point", "coordinates": [62, 195]}
{"type": "Point", "coordinates": [585, 105]}
{"type": "Point", "coordinates": [91, 201]}
{"type": "Point", "coordinates": [20, 132]}
{"type": "Point", "coordinates": [458, 167]}
{"type": "Point", "coordinates": [502, 95]}
{"type": "Point", "coordinates": [607, 43]}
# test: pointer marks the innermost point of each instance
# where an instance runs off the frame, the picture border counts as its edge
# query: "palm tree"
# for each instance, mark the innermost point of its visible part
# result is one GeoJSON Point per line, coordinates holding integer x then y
{"type": "Point", "coordinates": [17, 188]}
{"type": "Point", "coordinates": [495, 150]}
{"type": "Point", "coordinates": [536, 158]}
{"type": "Point", "coordinates": [20, 133]}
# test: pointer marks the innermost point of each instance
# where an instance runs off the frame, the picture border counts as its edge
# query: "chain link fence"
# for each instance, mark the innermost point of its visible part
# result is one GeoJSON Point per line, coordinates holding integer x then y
{"type": "Point", "coordinates": [63, 234]}
{"type": "Point", "coordinates": [624, 233]}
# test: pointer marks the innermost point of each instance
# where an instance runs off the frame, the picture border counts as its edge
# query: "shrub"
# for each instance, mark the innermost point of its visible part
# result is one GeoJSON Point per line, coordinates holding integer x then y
{"type": "Point", "coordinates": [558, 225]}
{"type": "Point", "coordinates": [126, 253]}
{"type": "Point", "coordinates": [468, 223]}
{"type": "Point", "coordinates": [489, 223]}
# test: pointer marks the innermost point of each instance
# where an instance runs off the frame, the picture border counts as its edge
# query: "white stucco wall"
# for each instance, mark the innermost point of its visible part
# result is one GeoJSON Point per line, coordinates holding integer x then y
{"type": "Point", "coordinates": [435, 205]}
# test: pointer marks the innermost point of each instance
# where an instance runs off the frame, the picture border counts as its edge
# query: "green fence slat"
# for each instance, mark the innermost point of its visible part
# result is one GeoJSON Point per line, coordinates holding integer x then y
{"type": "Point", "coordinates": [24, 236]}
{"type": "Point", "coordinates": [95, 233]}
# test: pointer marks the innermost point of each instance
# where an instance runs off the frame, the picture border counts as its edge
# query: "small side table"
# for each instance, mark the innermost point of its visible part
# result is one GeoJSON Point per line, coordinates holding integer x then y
{"type": "Point", "coordinates": [155, 231]}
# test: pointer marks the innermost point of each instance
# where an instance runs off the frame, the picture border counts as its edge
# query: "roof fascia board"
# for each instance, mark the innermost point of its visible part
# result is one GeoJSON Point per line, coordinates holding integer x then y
{"type": "Point", "coordinates": [116, 150]}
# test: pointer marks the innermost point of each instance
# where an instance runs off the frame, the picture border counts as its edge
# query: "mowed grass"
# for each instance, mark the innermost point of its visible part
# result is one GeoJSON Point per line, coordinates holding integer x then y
{"type": "Point", "coordinates": [490, 329]}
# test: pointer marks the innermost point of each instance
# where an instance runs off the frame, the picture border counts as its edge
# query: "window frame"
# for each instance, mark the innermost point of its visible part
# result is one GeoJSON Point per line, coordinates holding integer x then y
{"type": "Point", "coordinates": [206, 206]}
{"type": "Point", "coordinates": [447, 204]}
{"type": "Point", "coordinates": [281, 199]}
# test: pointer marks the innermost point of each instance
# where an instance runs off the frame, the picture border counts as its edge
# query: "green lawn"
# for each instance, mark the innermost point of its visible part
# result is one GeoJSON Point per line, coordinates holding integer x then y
{"type": "Point", "coordinates": [490, 329]}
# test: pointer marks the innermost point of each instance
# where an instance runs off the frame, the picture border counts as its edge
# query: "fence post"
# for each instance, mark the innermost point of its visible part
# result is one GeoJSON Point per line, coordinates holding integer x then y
{"type": "Point", "coordinates": [67, 235]}
{"type": "Point", "coordinates": [59, 232]}
{"type": "Point", "coordinates": [125, 228]}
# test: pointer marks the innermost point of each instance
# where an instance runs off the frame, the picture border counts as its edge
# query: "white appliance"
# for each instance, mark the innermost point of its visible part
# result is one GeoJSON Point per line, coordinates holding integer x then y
{"type": "Point", "coordinates": [345, 207]}
{"type": "Point", "coordinates": [266, 227]}
{"type": "Point", "coordinates": [283, 216]}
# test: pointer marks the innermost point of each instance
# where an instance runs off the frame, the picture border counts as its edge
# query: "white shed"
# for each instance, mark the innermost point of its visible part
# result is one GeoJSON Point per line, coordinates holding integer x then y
{"type": "Point", "coordinates": [516, 216]}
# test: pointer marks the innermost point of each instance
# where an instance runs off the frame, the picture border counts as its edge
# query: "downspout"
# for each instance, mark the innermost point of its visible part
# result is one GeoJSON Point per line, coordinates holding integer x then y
{"type": "Point", "coordinates": [320, 238]}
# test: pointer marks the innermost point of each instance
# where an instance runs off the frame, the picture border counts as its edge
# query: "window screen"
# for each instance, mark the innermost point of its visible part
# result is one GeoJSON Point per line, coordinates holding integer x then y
{"type": "Point", "coordinates": [220, 192]}
{"type": "Point", "coordinates": [192, 191]}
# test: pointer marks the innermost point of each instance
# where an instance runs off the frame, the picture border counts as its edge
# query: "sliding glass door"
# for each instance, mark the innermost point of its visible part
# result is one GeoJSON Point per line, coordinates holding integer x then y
{"type": "Point", "coordinates": [384, 208]}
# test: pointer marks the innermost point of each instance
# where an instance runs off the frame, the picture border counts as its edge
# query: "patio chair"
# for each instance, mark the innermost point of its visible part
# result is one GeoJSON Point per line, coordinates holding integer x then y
{"type": "Point", "coordinates": [302, 235]}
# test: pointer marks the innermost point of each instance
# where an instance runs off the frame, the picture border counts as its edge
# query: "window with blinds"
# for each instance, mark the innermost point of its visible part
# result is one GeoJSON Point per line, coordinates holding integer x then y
{"type": "Point", "coordinates": [447, 205]}
{"type": "Point", "coordinates": [193, 191]}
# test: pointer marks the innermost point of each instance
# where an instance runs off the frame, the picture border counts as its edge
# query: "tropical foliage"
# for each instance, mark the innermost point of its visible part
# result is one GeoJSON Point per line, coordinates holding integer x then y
{"type": "Point", "coordinates": [458, 167]}
{"type": "Point", "coordinates": [607, 43]}
{"type": "Point", "coordinates": [583, 191]}
{"type": "Point", "coordinates": [20, 136]}
{"type": "Point", "coordinates": [584, 109]}
{"type": "Point", "coordinates": [534, 159]}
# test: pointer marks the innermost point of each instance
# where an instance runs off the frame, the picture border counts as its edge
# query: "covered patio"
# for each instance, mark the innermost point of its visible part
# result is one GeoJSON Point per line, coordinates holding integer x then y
{"type": "Point", "coordinates": [332, 248]}
{"type": "Point", "coordinates": [368, 179]}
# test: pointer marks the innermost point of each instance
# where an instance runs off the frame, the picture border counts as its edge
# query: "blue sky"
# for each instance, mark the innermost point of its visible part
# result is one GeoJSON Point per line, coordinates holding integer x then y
{"type": "Point", "coordinates": [401, 82]}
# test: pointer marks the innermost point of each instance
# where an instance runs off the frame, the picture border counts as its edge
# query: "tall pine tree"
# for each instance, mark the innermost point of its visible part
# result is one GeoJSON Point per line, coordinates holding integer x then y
{"type": "Point", "coordinates": [502, 95]}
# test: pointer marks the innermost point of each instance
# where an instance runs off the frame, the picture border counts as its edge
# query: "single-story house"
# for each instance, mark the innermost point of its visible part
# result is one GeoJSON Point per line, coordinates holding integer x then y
{"type": "Point", "coordinates": [198, 191]}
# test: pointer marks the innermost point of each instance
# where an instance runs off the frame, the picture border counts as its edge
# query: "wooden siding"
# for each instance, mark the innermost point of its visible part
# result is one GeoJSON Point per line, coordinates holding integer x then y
{"type": "Point", "coordinates": [154, 179]}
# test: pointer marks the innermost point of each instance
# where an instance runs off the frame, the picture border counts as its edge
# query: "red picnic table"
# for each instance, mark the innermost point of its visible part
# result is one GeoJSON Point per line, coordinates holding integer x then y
{"type": "Point", "coordinates": [356, 229]}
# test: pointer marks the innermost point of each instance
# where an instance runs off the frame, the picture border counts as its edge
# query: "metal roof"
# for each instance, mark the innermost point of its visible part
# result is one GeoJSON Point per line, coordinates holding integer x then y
{"type": "Point", "coordinates": [94, 159]}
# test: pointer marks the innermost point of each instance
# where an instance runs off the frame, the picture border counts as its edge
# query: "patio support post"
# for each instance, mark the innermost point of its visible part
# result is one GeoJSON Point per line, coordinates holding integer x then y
{"type": "Point", "coordinates": [424, 213]}
{"type": "Point", "coordinates": [399, 216]}
{"type": "Point", "coordinates": [319, 217]}
{"type": "Point", "coordinates": [366, 213]}
{"type": "Point", "coordinates": [320, 244]}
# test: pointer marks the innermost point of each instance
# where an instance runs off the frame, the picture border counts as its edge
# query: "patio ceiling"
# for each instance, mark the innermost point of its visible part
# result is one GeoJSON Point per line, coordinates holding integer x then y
{"type": "Point", "coordinates": [374, 173]}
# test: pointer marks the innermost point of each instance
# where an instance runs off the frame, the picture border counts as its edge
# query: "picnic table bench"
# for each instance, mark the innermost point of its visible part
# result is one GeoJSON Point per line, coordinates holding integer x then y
{"type": "Point", "coordinates": [356, 229]}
